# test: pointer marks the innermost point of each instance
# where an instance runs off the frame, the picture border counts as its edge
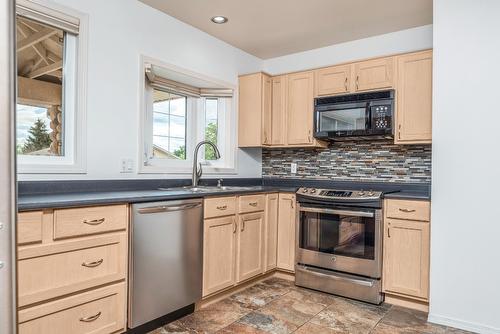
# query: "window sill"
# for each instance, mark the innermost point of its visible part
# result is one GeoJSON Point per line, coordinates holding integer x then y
{"type": "Point", "coordinates": [207, 170]}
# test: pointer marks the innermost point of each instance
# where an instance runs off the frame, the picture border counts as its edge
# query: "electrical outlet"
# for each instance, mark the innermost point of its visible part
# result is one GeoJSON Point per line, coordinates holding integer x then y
{"type": "Point", "coordinates": [293, 168]}
{"type": "Point", "coordinates": [127, 165]}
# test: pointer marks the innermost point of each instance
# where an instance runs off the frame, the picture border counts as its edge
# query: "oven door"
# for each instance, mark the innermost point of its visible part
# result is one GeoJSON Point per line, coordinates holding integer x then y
{"type": "Point", "coordinates": [347, 240]}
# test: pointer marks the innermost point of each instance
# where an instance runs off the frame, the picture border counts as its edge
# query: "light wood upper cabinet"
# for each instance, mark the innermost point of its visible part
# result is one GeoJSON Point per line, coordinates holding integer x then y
{"type": "Point", "coordinates": [286, 232]}
{"type": "Point", "coordinates": [267, 115]}
{"type": "Point", "coordinates": [406, 258]}
{"type": "Point", "coordinates": [254, 105]}
{"type": "Point", "coordinates": [278, 110]}
{"type": "Point", "coordinates": [300, 108]}
{"type": "Point", "coordinates": [219, 254]}
{"type": "Point", "coordinates": [374, 74]}
{"type": "Point", "coordinates": [250, 258]}
{"type": "Point", "coordinates": [332, 80]}
{"type": "Point", "coordinates": [414, 98]}
{"type": "Point", "coordinates": [271, 231]}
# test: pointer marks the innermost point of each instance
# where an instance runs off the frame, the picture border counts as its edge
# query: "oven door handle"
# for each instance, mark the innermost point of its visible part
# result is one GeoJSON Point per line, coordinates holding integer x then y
{"type": "Point", "coordinates": [339, 212]}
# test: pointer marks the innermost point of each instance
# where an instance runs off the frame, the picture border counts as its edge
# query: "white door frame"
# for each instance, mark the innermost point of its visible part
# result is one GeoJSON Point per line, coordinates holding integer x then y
{"type": "Point", "coordinates": [7, 167]}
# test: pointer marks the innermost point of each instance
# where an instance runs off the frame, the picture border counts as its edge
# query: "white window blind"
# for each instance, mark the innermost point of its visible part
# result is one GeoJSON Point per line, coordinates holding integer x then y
{"type": "Point", "coordinates": [160, 82]}
{"type": "Point", "coordinates": [38, 12]}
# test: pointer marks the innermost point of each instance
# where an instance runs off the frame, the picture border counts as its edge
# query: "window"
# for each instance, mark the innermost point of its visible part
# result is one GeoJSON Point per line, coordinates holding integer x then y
{"type": "Point", "coordinates": [49, 118]}
{"type": "Point", "coordinates": [169, 125]}
{"type": "Point", "coordinates": [179, 114]}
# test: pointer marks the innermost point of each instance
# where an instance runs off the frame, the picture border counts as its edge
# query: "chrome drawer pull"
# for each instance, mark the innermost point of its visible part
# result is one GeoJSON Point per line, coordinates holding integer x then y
{"type": "Point", "coordinates": [223, 207]}
{"type": "Point", "coordinates": [93, 264]}
{"type": "Point", "coordinates": [91, 318]}
{"type": "Point", "coordinates": [406, 210]}
{"type": "Point", "coordinates": [94, 221]}
{"type": "Point", "coordinates": [254, 204]}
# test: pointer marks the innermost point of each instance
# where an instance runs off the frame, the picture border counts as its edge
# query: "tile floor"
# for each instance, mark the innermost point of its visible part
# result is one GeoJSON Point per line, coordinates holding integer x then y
{"type": "Point", "coordinates": [277, 306]}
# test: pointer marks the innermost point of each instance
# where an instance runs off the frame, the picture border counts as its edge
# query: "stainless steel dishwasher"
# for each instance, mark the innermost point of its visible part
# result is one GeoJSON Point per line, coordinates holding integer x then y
{"type": "Point", "coordinates": [166, 263]}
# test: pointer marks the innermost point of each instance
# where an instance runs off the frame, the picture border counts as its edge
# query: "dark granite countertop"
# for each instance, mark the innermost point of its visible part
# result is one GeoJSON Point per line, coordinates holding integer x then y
{"type": "Point", "coordinates": [35, 195]}
{"type": "Point", "coordinates": [39, 201]}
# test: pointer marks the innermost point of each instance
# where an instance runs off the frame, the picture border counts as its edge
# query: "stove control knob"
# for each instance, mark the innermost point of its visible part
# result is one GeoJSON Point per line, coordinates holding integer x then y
{"type": "Point", "coordinates": [304, 190]}
{"type": "Point", "coordinates": [361, 193]}
{"type": "Point", "coordinates": [312, 191]}
{"type": "Point", "coordinates": [371, 193]}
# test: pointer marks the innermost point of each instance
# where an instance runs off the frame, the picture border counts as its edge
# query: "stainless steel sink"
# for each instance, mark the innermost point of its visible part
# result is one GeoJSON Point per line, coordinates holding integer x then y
{"type": "Point", "coordinates": [203, 189]}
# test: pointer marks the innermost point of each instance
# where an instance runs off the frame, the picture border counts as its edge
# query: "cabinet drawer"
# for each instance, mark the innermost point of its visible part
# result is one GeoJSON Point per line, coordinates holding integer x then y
{"type": "Point", "coordinates": [219, 206]}
{"type": "Point", "coordinates": [29, 227]}
{"type": "Point", "coordinates": [412, 210]}
{"type": "Point", "coordinates": [99, 311]}
{"type": "Point", "coordinates": [252, 203]}
{"type": "Point", "coordinates": [90, 220]}
{"type": "Point", "coordinates": [57, 269]}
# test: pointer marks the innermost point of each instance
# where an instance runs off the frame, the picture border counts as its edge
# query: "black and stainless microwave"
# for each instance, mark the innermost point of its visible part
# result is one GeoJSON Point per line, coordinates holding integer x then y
{"type": "Point", "coordinates": [365, 116]}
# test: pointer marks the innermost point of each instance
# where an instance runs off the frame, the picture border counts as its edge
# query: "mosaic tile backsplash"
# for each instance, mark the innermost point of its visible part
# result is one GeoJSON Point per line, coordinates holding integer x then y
{"type": "Point", "coordinates": [361, 161]}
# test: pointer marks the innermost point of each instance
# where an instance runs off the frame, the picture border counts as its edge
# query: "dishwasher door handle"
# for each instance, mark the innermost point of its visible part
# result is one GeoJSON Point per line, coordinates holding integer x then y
{"type": "Point", "coordinates": [168, 208]}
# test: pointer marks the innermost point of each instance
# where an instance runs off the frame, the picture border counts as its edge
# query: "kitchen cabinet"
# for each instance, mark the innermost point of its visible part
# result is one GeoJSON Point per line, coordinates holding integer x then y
{"type": "Point", "coordinates": [278, 110]}
{"type": "Point", "coordinates": [219, 253]}
{"type": "Point", "coordinates": [414, 98]}
{"type": "Point", "coordinates": [271, 231]}
{"type": "Point", "coordinates": [250, 245]}
{"type": "Point", "coordinates": [286, 232]}
{"type": "Point", "coordinates": [332, 80]}
{"type": "Point", "coordinates": [72, 270]}
{"type": "Point", "coordinates": [374, 74]}
{"type": "Point", "coordinates": [406, 255]}
{"type": "Point", "coordinates": [300, 108]}
{"type": "Point", "coordinates": [254, 110]}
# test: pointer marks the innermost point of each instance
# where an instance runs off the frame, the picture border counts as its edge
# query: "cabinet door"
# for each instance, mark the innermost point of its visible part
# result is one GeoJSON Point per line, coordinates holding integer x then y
{"type": "Point", "coordinates": [271, 231]}
{"type": "Point", "coordinates": [374, 74]}
{"type": "Point", "coordinates": [267, 119]}
{"type": "Point", "coordinates": [332, 80]}
{"type": "Point", "coordinates": [250, 259]}
{"type": "Point", "coordinates": [278, 110]}
{"type": "Point", "coordinates": [414, 98]}
{"type": "Point", "coordinates": [219, 250]}
{"type": "Point", "coordinates": [406, 258]}
{"type": "Point", "coordinates": [300, 108]}
{"type": "Point", "coordinates": [286, 232]}
{"type": "Point", "coordinates": [250, 110]}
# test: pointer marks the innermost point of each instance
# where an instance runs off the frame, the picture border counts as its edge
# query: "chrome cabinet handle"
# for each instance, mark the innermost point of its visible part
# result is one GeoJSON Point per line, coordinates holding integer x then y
{"type": "Point", "coordinates": [93, 264]}
{"type": "Point", "coordinates": [357, 82]}
{"type": "Point", "coordinates": [242, 225]}
{"type": "Point", "coordinates": [291, 203]}
{"type": "Point", "coordinates": [399, 131]}
{"type": "Point", "coordinates": [223, 207]}
{"type": "Point", "coordinates": [388, 232]}
{"type": "Point", "coordinates": [254, 204]}
{"type": "Point", "coordinates": [91, 318]}
{"type": "Point", "coordinates": [94, 221]}
{"type": "Point", "coordinates": [345, 84]}
{"type": "Point", "coordinates": [407, 210]}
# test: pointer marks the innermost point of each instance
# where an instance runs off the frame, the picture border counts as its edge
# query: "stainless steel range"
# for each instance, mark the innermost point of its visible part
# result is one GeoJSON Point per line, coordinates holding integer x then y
{"type": "Point", "coordinates": [339, 243]}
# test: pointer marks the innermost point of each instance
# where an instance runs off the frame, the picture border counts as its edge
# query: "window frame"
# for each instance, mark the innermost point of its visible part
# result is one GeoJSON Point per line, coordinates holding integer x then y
{"type": "Point", "coordinates": [74, 88]}
{"type": "Point", "coordinates": [193, 121]}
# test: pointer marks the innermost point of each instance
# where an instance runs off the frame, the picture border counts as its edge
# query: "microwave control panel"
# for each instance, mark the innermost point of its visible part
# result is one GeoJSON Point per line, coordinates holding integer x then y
{"type": "Point", "coordinates": [382, 117]}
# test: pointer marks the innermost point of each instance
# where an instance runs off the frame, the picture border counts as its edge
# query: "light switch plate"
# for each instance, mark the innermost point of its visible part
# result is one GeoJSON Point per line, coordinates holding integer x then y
{"type": "Point", "coordinates": [293, 168]}
{"type": "Point", "coordinates": [127, 165]}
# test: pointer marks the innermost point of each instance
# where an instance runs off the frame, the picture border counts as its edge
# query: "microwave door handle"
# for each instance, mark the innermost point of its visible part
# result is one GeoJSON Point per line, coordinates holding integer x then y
{"type": "Point", "coordinates": [368, 121]}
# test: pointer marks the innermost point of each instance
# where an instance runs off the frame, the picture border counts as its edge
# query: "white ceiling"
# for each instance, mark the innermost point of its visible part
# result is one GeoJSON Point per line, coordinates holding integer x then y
{"type": "Point", "coordinates": [272, 28]}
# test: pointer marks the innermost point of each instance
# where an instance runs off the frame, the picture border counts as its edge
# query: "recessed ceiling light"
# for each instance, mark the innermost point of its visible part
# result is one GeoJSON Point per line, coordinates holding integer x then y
{"type": "Point", "coordinates": [219, 19]}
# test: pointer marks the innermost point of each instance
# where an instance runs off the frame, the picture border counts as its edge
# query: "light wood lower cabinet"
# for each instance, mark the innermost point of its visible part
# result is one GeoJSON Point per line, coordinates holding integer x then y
{"type": "Point", "coordinates": [406, 257]}
{"type": "Point", "coordinates": [219, 254]}
{"type": "Point", "coordinates": [286, 232]}
{"type": "Point", "coordinates": [72, 270]}
{"type": "Point", "coordinates": [250, 244]}
{"type": "Point", "coordinates": [271, 234]}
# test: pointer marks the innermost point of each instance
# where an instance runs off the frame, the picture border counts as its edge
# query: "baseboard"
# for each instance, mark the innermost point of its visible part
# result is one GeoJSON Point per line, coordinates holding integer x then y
{"type": "Point", "coordinates": [460, 324]}
{"type": "Point", "coordinates": [407, 302]}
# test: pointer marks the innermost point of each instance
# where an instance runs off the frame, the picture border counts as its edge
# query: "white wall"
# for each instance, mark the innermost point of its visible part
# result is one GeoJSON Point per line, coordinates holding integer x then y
{"type": "Point", "coordinates": [397, 42]}
{"type": "Point", "coordinates": [119, 32]}
{"type": "Point", "coordinates": [465, 228]}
